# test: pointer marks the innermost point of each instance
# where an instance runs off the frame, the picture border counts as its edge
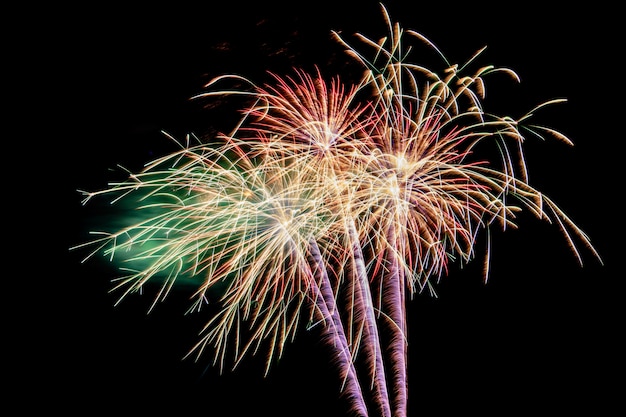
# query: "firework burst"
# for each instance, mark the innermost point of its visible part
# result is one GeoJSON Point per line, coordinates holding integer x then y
{"type": "Point", "coordinates": [336, 202]}
{"type": "Point", "coordinates": [423, 195]}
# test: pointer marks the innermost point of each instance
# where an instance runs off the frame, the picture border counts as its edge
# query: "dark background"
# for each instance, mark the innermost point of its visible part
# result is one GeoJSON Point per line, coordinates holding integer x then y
{"type": "Point", "coordinates": [542, 334]}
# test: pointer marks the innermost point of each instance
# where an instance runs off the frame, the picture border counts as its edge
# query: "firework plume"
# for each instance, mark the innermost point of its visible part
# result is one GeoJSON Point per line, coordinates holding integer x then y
{"type": "Point", "coordinates": [332, 202]}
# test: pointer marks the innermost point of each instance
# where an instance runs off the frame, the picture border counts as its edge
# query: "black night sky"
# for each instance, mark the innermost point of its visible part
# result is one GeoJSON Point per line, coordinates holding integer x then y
{"type": "Point", "coordinates": [541, 334]}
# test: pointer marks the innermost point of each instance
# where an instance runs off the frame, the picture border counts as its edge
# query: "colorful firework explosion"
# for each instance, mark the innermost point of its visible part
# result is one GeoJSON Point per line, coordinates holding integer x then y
{"type": "Point", "coordinates": [333, 201]}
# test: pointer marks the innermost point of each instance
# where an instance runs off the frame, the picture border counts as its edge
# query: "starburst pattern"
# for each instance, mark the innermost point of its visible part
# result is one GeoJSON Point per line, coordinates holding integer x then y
{"type": "Point", "coordinates": [337, 202]}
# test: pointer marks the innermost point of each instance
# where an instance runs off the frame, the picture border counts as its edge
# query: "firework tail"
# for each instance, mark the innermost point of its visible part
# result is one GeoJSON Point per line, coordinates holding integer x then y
{"type": "Point", "coordinates": [393, 304]}
{"type": "Point", "coordinates": [333, 331]}
{"type": "Point", "coordinates": [365, 318]}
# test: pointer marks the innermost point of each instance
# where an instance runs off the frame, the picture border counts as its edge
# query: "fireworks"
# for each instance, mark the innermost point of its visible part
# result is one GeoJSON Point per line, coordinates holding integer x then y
{"type": "Point", "coordinates": [332, 201]}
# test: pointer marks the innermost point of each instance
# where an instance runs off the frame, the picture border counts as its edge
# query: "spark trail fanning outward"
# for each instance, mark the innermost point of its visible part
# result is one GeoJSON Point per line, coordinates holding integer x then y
{"type": "Point", "coordinates": [333, 201]}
